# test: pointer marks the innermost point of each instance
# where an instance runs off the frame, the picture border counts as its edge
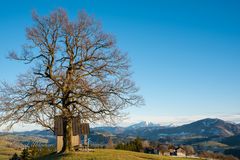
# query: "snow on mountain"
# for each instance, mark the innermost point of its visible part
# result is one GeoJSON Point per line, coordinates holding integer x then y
{"type": "Point", "coordinates": [143, 124]}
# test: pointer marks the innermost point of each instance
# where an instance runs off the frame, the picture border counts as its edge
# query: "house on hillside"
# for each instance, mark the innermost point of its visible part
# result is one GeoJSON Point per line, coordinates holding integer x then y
{"type": "Point", "coordinates": [173, 152]}
{"type": "Point", "coordinates": [165, 153]}
{"type": "Point", "coordinates": [180, 152]}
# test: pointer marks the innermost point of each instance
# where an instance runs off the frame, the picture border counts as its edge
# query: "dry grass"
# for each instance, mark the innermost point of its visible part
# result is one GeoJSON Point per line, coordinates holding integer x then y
{"type": "Point", "coordinates": [106, 154]}
{"type": "Point", "coordinates": [5, 151]}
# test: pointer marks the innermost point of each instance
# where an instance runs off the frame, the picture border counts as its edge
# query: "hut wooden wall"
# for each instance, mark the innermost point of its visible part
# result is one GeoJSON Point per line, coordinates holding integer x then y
{"type": "Point", "coordinates": [75, 142]}
{"type": "Point", "coordinates": [58, 126]}
{"type": "Point", "coordinates": [78, 129]}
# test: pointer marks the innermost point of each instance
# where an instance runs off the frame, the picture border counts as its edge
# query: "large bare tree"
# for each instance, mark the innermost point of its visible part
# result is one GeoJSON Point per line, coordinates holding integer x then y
{"type": "Point", "coordinates": [75, 70]}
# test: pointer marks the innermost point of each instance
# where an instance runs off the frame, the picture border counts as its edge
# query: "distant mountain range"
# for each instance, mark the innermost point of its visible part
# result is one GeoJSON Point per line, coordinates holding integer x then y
{"type": "Point", "coordinates": [143, 124]}
{"type": "Point", "coordinates": [129, 129]}
{"type": "Point", "coordinates": [206, 127]}
{"type": "Point", "coordinates": [206, 134]}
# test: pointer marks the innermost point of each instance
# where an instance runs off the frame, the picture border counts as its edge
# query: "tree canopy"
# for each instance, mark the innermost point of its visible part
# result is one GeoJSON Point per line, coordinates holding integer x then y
{"type": "Point", "coordinates": [76, 70]}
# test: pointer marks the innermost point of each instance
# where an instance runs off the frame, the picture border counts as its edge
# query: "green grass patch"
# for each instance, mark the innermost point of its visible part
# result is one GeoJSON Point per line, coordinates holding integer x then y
{"type": "Point", "coordinates": [107, 154]}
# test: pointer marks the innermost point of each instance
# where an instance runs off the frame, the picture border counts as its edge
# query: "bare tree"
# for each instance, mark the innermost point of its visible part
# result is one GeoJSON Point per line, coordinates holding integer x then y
{"type": "Point", "coordinates": [76, 70]}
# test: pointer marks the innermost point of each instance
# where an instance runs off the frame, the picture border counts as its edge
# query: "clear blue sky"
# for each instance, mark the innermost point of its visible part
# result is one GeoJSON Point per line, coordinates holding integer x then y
{"type": "Point", "coordinates": [185, 54]}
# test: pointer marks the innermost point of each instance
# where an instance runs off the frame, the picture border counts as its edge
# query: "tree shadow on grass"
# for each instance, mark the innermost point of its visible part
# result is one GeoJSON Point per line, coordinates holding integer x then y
{"type": "Point", "coordinates": [53, 156]}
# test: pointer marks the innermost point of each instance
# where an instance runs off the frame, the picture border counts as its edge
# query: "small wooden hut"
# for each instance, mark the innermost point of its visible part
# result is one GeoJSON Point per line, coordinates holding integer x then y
{"type": "Point", "coordinates": [78, 130]}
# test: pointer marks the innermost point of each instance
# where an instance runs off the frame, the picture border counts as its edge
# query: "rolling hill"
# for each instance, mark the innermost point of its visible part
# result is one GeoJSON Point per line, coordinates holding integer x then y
{"type": "Point", "coordinates": [198, 131]}
{"type": "Point", "coordinates": [206, 134]}
{"type": "Point", "coordinates": [232, 141]}
{"type": "Point", "coordinates": [107, 154]}
{"type": "Point", "coordinates": [205, 128]}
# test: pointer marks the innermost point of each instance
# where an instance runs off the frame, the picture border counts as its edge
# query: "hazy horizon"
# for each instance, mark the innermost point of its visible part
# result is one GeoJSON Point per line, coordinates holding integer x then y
{"type": "Point", "coordinates": [163, 121]}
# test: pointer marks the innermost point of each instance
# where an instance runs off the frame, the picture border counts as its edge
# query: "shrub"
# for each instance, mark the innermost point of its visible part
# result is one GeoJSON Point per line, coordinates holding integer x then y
{"type": "Point", "coordinates": [135, 145]}
{"type": "Point", "coordinates": [15, 157]}
{"type": "Point", "coordinates": [25, 155]}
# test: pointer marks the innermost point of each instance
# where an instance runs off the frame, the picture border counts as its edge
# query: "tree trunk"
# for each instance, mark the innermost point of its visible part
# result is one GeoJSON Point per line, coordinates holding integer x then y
{"type": "Point", "coordinates": [67, 136]}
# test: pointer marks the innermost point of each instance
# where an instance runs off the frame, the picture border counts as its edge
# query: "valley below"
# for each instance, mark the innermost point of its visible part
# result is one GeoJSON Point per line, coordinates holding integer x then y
{"type": "Point", "coordinates": [212, 135]}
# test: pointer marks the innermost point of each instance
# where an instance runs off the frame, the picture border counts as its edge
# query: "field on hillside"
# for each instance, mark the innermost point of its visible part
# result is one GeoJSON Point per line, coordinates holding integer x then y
{"type": "Point", "coordinates": [6, 150]}
{"type": "Point", "coordinates": [9, 147]}
{"type": "Point", "coordinates": [106, 154]}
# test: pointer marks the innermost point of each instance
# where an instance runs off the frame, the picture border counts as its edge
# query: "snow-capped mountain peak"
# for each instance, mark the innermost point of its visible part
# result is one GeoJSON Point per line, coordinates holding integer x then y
{"type": "Point", "coordinates": [143, 124]}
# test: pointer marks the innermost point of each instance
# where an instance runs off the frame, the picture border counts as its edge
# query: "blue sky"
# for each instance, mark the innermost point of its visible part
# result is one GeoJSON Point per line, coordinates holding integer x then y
{"type": "Point", "coordinates": [185, 54]}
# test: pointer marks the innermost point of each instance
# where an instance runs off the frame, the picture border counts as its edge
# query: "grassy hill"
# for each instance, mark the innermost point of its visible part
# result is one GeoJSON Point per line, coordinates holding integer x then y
{"type": "Point", "coordinates": [6, 150]}
{"type": "Point", "coordinates": [107, 154]}
{"type": "Point", "coordinates": [11, 144]}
